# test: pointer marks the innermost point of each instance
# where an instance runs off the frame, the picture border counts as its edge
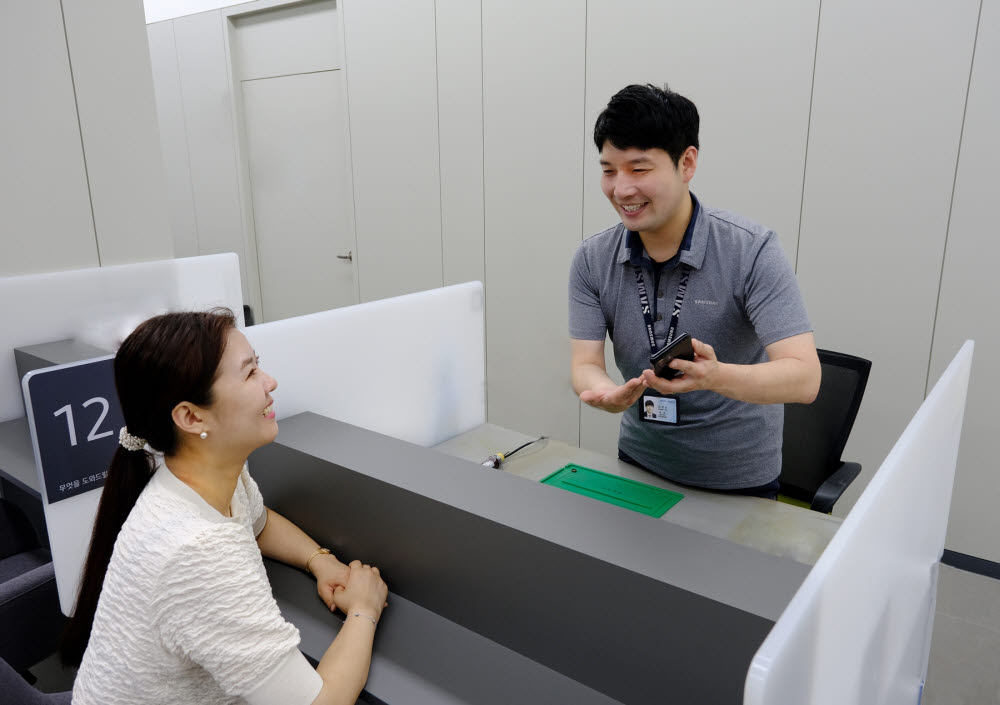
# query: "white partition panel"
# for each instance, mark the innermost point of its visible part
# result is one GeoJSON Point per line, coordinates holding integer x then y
{"type": "Point", "coordinates": [967, 304]}
{"type": "Point", "coordinates": [859, 628]}
{"type": "Point", "coordinates": [890, 88]}
{"type": "Point", "coordinates": [100, 304]}
{"type": "Point", "coordinates": [409, 367]}
{"type": "Point", "coordinates": [70, 525]}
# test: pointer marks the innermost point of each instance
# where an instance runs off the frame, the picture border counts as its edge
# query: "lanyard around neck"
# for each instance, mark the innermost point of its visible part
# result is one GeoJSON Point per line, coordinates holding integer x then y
{"type": "Point", "coordinates": [647, 312]}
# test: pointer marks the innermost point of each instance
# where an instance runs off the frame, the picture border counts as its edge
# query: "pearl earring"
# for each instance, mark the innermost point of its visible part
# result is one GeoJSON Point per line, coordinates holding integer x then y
{"type": "Point", "coordinates": [204, 435]}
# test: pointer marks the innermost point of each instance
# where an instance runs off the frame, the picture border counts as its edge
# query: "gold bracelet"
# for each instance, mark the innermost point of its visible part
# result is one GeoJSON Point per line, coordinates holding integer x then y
{"type": "Point", "coordinates": [315, 553]}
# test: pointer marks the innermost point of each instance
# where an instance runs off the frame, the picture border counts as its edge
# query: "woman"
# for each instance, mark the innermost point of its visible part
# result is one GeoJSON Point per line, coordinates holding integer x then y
{"type": "Point", "coordinates": [174, 606]}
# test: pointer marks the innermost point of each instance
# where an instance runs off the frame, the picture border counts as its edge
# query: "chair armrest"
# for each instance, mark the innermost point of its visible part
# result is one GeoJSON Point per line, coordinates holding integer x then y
{"type": "Point", "coordinates": [829, 492]}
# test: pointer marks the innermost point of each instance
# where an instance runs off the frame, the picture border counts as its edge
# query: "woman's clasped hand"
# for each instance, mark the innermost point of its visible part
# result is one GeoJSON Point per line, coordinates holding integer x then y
{"type": "Point", "coordinates": [365, 592]}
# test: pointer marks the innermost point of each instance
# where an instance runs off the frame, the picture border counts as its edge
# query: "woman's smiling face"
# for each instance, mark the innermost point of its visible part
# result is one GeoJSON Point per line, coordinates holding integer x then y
{"type": "Point", "coordinates": [241, 416]}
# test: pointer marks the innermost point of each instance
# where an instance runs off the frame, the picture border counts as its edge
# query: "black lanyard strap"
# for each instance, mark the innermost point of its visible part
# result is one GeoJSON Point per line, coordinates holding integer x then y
{"type": "Point", "coordinates": [647, 312]}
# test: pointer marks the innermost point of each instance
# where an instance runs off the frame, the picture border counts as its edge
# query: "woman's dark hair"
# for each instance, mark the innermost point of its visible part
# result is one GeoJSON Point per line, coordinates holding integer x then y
{"type": "Point", "coordinates": [166, 360]}
{"type": "Point", "coordinates": [645, 117]}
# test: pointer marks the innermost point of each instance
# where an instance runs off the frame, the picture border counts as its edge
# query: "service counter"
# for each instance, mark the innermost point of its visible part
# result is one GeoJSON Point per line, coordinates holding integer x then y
{"type": "Point", "coordinates": [504, 589]}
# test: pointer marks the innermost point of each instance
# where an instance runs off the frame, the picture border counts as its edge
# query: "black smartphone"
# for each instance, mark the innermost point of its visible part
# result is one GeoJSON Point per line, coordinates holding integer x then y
{"type": "Point", "coordinates": [682, 348]}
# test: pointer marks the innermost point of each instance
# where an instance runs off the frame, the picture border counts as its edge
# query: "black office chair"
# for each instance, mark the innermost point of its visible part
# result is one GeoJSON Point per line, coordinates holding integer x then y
{"type": "Point", "coordinates": [30, 618]}
{"type": "Point", "coordinates": [14, 690]}
{"type": "Point", "coordinates": [812, 472]}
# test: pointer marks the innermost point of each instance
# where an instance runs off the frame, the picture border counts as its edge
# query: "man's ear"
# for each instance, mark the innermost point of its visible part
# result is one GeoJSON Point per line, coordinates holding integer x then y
{"type": "Point", "coordinates": [688, 163]}
{"type": "Point", "coordinates": [189, 418]}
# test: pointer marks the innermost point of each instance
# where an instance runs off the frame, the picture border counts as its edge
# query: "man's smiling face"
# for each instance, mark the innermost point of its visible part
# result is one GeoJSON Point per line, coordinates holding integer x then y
{"type": "Point", "coordinates": [644, 186]}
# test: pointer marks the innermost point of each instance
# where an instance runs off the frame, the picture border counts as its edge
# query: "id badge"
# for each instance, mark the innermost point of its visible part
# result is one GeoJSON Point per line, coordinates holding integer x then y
{"type": "Point", "coordinates": [657, 409]}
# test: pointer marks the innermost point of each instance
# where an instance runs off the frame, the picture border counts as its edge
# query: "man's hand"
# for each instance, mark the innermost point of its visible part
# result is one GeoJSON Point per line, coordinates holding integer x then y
{"type": "Point", "coordinates": [791, 374]}
{"type": "Point", "coordinates": [702, 373]}
{"type": "Point", "coordinates": [615, 399]}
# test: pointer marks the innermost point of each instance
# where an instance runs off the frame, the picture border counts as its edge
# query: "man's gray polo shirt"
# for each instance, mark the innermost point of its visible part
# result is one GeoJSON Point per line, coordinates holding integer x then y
{"type": "Point", "coordinates": [742, 296]}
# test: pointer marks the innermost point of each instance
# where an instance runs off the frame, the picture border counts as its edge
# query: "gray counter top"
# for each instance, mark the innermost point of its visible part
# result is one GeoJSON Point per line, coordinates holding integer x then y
{"type": "Point", "coordinates": [771, 527]}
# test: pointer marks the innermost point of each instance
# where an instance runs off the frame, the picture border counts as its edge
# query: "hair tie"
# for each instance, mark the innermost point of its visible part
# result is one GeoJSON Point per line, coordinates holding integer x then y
{"type": "Point", "coordinates": [130, 442]}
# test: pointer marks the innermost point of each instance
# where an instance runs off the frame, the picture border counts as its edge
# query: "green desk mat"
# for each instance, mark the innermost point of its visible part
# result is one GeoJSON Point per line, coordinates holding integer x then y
{"type": "Point", "coordinates": [637, 496]}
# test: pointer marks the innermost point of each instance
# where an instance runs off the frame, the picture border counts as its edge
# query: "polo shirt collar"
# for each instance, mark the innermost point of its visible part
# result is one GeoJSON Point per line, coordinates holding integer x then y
{"type": "Point", "coordinates": [692, 250]}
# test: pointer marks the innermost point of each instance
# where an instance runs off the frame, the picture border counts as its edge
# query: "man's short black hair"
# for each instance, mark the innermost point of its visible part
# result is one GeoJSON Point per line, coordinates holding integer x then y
{"type": "Point", "coordinates": [649, 403]}
{"type": "Point", "coordinates": [645, 117]}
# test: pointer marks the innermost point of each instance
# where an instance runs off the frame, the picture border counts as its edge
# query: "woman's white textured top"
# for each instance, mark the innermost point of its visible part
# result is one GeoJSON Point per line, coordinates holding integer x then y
{"type": "Point", "coordinates": [186, 615]}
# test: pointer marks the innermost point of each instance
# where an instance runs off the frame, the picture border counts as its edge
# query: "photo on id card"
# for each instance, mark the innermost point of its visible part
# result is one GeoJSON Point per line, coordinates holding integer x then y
{"type": "Point", "coordinates": [656, 409]}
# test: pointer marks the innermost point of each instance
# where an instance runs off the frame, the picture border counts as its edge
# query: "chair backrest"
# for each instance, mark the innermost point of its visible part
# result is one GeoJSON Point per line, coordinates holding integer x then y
{"type": "Point", "coordinates": [16, 532]}
{"type": "Point", "coordinates": [815, 434]}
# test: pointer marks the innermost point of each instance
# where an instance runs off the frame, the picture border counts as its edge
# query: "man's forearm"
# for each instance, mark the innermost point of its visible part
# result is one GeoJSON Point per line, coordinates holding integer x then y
{"type": "Point", "coordinates": [589, 376]}
{"type": "Point", "coordinates": [782, 381]}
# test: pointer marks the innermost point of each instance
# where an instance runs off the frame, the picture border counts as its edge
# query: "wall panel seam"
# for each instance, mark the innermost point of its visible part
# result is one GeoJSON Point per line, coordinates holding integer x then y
{"type": "Point", "coordinates": [341, 7]}
{"type": "Point", "coordinates": [341, 11]}
{"type": "Point", "coordinates": [187, 142]}
{"type": "Point", "coordinates": [951, 201]}
{"type": "Point", "coordinates": [79, 127]}
{"type": "Point", "coordinates": [286, 75]}
{"type": "Point", "coordinates": [245, 210]}
{"type": "Point", "coordinates": [805, 155]}
{"type": "Point", "coordinates": [583, 188]}
{"type": "Point", "coordinates": [482, 124]}
{"type": "Point", "coordinates": [437, 98]}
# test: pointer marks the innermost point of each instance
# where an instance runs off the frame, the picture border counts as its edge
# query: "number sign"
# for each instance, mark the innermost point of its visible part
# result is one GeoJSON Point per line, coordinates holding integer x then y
{"type": "Point", "coordinates": [75, 418]}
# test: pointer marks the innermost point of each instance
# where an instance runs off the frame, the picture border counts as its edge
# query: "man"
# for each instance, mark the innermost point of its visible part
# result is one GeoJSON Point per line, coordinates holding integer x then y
{"type": "Point", "coordinates": [672, 266]}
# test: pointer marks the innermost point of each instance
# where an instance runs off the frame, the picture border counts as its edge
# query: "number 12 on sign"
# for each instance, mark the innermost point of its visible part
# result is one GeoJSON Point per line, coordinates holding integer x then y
{"type": "Point", "coordinates": [74, 416]}
{"type": "Point", "coordinates": [71, 427]}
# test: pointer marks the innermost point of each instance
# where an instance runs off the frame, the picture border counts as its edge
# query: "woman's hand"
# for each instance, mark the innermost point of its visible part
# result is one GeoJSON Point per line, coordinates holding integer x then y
{"type": "Point", "coordinates": [330, 574]}
{"type": "Point", "coordinates": [365, 591]}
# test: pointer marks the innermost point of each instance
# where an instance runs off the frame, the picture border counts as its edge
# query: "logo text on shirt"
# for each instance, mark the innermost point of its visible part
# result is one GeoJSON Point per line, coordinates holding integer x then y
{"type": "Point", "coordinates": [706, 302]}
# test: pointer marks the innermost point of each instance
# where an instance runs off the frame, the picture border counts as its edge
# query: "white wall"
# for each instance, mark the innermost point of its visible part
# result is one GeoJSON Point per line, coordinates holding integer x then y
{"type": "Point", "coordinates": [839, 124]}
{"type": "Point", "coordinates": [967, 301]}
{"type": "Point", "coordinates": [754, 112]}
{"type": "Point", "coordinates": [80, 178]}
{"type": "Point", "coordinates": [883, 143]}
{"type": "Point", "coordinates": [533, 98]}
{"type": "Point", "coordinates": [108, 57]}
{"type": "Point", "coordinates": [392, 74]}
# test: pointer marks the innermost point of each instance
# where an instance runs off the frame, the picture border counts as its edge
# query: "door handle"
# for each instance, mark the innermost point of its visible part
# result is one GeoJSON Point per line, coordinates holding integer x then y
{"type": "Point", "coordinates": [348, 256]}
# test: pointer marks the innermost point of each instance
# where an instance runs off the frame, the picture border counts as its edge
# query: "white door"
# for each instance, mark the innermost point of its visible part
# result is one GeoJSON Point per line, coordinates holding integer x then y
{"type": "Point", "coordinates": [297, 153]}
